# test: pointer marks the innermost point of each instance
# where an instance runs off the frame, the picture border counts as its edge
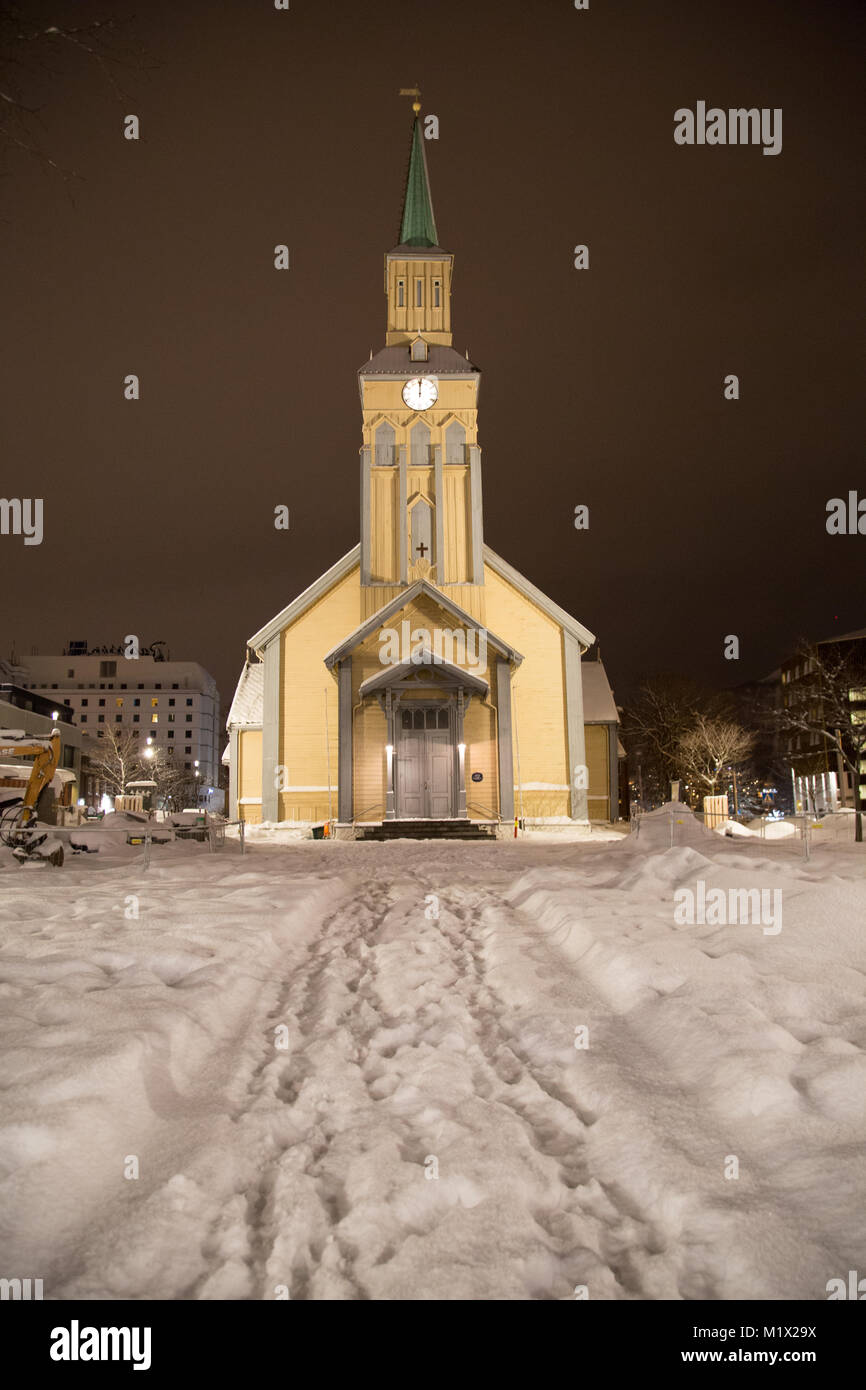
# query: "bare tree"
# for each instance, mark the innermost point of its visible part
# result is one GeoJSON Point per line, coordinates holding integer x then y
{"type": "Point", "coordinates": [710, 747]}
{"type": "Point", "coordinates": [176, 790]}
{"type": "Point", "coordinates": [115, 760]}
{"type": "Point", "coordinates": [830, 702]}
{"type": "Point", "coordinates": [662, 709]}
{"type": "Point", "coordinates": [32, 49]}
{"type": "Point", "coordinates": [118, 760]}
{"type": "Point", "coordinates": [172, 783]}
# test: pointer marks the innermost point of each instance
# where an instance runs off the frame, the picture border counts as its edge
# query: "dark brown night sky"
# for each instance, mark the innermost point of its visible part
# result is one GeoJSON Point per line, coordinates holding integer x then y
{"type": "Point", "coordinates": [605, 387]}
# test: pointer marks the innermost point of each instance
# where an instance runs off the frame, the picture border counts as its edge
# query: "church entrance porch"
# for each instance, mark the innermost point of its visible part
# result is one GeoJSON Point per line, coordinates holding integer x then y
{"type": "Point", "coordinates": [425, 770]}
{"type": "Point", "coordinates": [416, 733]}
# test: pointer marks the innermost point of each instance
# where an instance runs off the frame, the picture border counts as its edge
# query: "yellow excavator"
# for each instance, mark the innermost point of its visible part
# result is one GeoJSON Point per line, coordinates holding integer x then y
{"type": "Point", "coordinates": [19, 827]}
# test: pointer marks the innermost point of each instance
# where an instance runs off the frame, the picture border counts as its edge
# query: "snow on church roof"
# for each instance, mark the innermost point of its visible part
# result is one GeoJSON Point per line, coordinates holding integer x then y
{"type": "Point", "coordinates": [247, 704]}
{"type": "Point", "coordinates": [598, 701]}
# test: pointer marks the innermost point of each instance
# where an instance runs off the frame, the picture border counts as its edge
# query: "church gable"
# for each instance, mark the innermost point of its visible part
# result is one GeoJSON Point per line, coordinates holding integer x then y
{"type": "Point", "coordinates": [418, 636]}
{"type": "Point", "coordinates": [418, 617]}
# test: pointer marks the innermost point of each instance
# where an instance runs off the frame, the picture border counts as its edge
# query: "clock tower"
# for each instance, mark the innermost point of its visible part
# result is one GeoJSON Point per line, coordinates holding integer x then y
{"type": "Point", "coordinates": [421, 515]}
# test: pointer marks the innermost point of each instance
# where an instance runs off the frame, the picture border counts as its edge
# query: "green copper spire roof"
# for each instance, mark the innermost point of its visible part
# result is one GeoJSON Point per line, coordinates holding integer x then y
{"type": "Point", "coordinates": [418, 227]}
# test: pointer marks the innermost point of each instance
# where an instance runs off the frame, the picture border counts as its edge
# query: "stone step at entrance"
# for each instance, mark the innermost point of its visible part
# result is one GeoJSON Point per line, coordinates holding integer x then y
{"type": "Point", "coordinates": [428, 830]}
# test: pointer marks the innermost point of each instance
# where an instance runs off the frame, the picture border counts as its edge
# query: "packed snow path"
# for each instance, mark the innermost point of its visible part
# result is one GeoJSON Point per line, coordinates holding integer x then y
{"type": "Point", "coordinates": [430, 1129]}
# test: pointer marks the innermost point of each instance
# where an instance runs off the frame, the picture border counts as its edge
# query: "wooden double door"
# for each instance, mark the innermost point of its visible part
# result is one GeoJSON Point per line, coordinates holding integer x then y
{"type": "Point", "coordinates": [425, 771]}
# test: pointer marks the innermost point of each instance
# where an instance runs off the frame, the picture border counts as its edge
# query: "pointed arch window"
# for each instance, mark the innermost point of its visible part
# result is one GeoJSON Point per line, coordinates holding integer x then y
{"type": "Point", "coordinates": [421, 531]}
{"type": "Point", "coordinates": [421, 445]}
{"type": "Point", "coordinates": [455, 443]}
{"type": "Point", "coordinates": [386, 445]}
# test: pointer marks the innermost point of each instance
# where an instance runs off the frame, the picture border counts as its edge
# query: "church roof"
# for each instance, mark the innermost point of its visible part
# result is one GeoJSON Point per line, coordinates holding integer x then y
{"type": "Point", "coordinates": [396, 361]}
{"type": "Point", "coordinates": [351, 559]}
{"type": "Point", "coordinates": [246, 706]}
{"type": "Point", "coordinates": [418, 227]}
{"type": "Point", "coordinates": [419, 253]}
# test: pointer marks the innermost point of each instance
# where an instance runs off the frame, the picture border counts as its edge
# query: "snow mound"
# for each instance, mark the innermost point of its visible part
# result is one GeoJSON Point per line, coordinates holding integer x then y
{"type": "Point", "coordinates": [734, 827]}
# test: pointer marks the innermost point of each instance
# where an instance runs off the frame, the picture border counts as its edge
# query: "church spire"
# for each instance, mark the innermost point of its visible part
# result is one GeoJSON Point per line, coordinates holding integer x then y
{"type": "Point", "coordinates": [417, 270]}
{"type": "Point", "coordinates": [418, 227]}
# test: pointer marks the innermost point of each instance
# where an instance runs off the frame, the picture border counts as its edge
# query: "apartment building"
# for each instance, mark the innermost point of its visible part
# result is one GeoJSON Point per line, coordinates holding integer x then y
{"type": "Point", "coordinates": [821, 774]}
{"type": "Point", "coordinates": [173, 703]}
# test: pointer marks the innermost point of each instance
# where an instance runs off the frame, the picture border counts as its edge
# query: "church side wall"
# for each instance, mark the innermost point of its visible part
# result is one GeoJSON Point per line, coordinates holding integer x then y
{"type": "Point", "coordinates": [249, 775]}
{"type": "Point", "coordinates": [598, 766]}
{"type": "Point", "coordinates": [307, 687]}
{"type": "Point", "coordinates": [538, 691]}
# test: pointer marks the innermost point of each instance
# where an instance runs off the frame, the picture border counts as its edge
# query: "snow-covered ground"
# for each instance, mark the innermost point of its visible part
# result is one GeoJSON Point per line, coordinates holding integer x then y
{"type": "Point", "coordinates": [431, 996]}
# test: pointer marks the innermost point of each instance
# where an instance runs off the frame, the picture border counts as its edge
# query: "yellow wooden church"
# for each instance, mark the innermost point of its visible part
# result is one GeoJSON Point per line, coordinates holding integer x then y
{"type": "Point", "coordinates": [422, 684]}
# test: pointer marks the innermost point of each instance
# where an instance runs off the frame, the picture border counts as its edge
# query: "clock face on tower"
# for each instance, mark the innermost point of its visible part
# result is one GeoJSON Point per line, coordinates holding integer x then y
{"type": "Point", "coordinates": [420, 393]}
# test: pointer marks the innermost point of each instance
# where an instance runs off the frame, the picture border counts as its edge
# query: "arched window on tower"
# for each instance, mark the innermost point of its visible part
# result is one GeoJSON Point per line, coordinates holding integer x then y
{"type": "Point", "coordinates": [386, 451]}
{"type": "Point", "coordinates": [421, 532]}
{"type": "Point", "coordinates": [421, 445]}
{"type": "Point", "coordinates": [455, 443]}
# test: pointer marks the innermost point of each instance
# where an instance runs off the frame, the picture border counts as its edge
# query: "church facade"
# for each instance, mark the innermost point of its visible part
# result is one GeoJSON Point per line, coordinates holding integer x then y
{"type": "Point", "coordinates": [422, 677]}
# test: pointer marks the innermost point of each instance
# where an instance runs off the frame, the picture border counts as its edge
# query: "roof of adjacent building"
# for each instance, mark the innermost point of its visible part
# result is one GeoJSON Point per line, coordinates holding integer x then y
{"type": "Point", "coordinates": [845, 637]}
{"type": "Point", "coordinates": [145, 669]}
{"type": "Point", "coordinates": [418, 227]}
{"type": "Point", "coordinates": [246, 707]}
{"type": "Point", "coordinates": [598, 702]}
{"type": "Point", "coordinates": [397, 361]}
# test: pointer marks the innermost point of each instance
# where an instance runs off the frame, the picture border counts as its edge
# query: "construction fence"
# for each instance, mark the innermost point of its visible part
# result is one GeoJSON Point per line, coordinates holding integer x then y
{"type": "Point", "coordinates": [677, 824]}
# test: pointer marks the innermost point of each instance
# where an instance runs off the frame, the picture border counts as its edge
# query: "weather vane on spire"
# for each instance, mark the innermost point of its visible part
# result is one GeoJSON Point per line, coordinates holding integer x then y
{"type": "Point", "coordinates": [412, 92]}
